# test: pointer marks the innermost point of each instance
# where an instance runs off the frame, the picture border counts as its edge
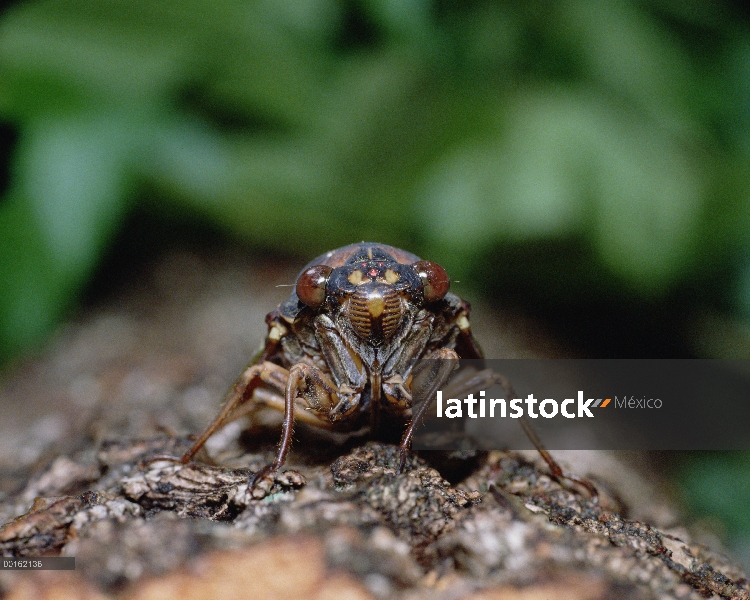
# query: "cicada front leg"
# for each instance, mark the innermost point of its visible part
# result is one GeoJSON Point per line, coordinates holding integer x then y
{"type": "Point", "coordinates": [242, 393]}
{"type": "Point", "coordinates": [442, 363]}
{"type": "Point", "coordinates": [311, 390]}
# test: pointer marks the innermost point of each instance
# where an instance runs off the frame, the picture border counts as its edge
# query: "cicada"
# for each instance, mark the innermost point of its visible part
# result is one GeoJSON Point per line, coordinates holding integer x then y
{"type": "Point", "coordinates": [339, 353]}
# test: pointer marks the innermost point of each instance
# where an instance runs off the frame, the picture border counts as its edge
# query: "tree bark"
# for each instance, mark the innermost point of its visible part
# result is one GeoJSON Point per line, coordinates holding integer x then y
{"type": "Point", "coordinates": [87, 416]}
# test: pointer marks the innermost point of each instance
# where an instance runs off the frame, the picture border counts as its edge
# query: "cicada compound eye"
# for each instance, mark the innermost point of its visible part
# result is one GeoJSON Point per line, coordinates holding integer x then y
{"type": "Point", "coordinates": [311, 285]}
{"type": "Point", "coordinates": [434, 279]}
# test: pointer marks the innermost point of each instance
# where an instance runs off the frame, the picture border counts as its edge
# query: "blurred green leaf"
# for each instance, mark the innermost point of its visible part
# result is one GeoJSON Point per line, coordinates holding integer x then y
{"type": "Point", "coordinates": [33, 291]}
{"type": "Point", "coordinates": [569, 164]}
{"type": "Point", "coordinates": [631, 55]}
{"type": "Point", "coordinates": [717, 484]}
{"type": "Point", "coordinates": [74, 172]}
{"type": "Point", "coordinates": [58, 219]}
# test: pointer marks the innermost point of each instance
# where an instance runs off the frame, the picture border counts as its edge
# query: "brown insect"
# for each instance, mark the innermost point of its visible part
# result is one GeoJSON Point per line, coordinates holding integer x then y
{"type": "Point", "coordinates": [339, 352]}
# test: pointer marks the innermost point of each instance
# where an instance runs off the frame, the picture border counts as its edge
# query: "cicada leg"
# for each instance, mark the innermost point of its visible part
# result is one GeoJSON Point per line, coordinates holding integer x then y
{"type": "Point", "coordinates": [267, 384]}
{"type": "Point", "coordinates": [320, 396]}
{"type": "Point", "coordinates": [241, 393]}
{"type": "Point", "coordinates": [445, 361]}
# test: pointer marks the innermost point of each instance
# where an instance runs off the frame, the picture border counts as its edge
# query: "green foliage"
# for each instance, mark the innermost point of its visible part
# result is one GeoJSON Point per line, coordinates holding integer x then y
{"type": "Point", "coordinates": [448, 128]}
{"type": "Point", "coordinates": [717, 485]}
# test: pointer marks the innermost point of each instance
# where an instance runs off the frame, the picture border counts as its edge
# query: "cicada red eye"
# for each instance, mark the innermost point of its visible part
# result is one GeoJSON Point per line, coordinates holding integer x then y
{"type": "Point", "coordinates": [311, 285]}
{"type": "Point", "coordinates": [435, 280]}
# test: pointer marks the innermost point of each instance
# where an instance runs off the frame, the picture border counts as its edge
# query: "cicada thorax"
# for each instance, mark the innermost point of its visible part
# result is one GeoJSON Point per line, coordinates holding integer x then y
{"type": "Point", "coordinates": [375, 312]}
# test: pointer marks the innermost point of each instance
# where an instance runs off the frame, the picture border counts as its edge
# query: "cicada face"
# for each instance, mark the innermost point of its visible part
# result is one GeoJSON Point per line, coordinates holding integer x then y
{"type": "Point", "coordinates": [373, 287]}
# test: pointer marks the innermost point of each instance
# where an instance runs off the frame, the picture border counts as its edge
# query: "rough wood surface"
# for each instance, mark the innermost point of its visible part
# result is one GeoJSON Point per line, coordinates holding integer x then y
{"type": "Point", "coordinates": [135, 374]}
